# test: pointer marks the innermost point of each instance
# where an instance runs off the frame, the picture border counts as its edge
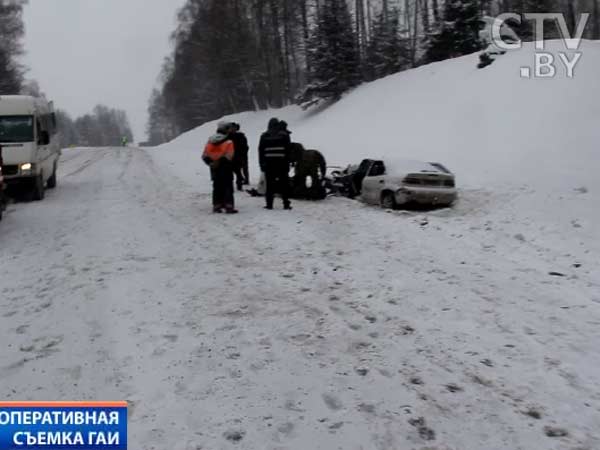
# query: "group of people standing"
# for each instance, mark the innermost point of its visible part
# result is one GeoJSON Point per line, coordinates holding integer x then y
{"type": "Point", "coordinates": [226, 153]}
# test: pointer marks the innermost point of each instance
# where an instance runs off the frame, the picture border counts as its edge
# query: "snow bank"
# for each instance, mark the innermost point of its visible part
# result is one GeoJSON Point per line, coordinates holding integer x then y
{"type": "Point", "coordinates": [533, 143]}
{"type": "Point", "coordinates": [490, 126]}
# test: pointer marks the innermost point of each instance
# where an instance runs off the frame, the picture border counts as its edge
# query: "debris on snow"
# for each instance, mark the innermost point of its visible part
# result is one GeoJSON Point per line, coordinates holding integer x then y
{"type": "Point", "coordinates": [552, 431]}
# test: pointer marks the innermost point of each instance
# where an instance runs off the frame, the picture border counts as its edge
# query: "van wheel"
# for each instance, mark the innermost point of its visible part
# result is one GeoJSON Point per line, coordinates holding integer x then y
{"type": "Point", "coordinates": [51, 183]}
{"type": "Point", "coordinates": [388, 201]}
{"type": "Point", "coordinates": [39, 191]}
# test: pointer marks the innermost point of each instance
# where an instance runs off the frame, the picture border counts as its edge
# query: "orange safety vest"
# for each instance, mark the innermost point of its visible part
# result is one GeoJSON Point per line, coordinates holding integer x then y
{"type": "Point", "coordinates": [217, 151]}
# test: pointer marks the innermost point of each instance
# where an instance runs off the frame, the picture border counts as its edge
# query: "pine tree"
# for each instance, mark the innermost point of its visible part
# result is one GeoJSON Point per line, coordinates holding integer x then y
{"type": "Point", "coordinates": [526, 29]}
{"type": "Point", "coordinates": [386, 52]}
{"type": "Point", "coordinates": [333, 55]}
{"type": "Point", "coordinates": [67, 132]}
{"type": "Point", "coordinates": [159, 128]}
{"type": "Point", "coordinates": [11, 30]}
{"type": "Point", "coordinates": [459, 33]}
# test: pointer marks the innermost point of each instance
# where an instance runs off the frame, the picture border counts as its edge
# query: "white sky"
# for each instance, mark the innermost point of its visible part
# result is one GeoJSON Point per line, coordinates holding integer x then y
{"type": "Point", "coordinates": [85, 52]}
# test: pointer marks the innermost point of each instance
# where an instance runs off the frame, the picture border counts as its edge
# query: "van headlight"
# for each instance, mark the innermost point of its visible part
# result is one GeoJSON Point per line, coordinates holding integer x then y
{"type": "Point", "coordinates": [26, 168]}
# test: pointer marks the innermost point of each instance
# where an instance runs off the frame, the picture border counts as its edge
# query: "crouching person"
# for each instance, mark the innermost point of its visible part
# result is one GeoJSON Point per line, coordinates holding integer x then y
{"type": "Point", "coordinates": [218, 155]}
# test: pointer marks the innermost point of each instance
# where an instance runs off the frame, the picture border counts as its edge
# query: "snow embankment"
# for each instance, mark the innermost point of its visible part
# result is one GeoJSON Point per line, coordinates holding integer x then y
{"type": "Point", "coordinates": [490, 125]}
{"type": "Point", "coordinates": [531, 143]}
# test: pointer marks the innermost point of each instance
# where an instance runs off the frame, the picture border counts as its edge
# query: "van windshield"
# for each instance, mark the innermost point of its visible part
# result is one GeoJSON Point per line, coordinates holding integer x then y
{"type": "Point", "coordinates": [16, 129]}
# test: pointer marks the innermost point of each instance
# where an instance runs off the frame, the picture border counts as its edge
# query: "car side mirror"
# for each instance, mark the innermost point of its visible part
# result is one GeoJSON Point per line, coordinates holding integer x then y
{"type": "Point", "coordinates": [44, 138]}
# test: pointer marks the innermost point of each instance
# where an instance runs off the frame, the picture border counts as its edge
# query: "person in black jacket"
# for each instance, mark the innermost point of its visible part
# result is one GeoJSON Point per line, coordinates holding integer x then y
{"type": "Point", "coordinates": [2, 187]}
{"type": "Point", "coordinates": [240, 159]}
{"type": "Point", "coordinates": [274, 154]}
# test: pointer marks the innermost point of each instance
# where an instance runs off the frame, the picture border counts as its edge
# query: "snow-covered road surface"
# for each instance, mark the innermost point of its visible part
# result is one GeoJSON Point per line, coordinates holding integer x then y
{"type": "Point", "coordinates": [334, 326]}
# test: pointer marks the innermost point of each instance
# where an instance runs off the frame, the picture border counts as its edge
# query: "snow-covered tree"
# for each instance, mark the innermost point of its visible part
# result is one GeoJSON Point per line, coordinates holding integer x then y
{"type": "Point", "coordinates": [459, 31]}
{"type": "Point", "coordinates": [105, 127]}
{"type": "Point", "coordinates": [386, 52]}
{"type": "Point", "coordinates": [11, 33]}
{"type": "Point", "coordinates": [67, 132]}
{"type": "Point", "coordinates": [526, 30]}
{"type": "Point", "coordinates": [333, 54]}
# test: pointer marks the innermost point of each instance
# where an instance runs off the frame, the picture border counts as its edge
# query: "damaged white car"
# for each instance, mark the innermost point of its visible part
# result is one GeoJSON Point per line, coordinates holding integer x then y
{"type": "Point", "coordinates": [398, 182]}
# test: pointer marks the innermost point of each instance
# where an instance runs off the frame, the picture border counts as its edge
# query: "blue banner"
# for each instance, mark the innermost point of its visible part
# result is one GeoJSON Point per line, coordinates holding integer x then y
{"type": "Point", "coordinates": [63, 425]}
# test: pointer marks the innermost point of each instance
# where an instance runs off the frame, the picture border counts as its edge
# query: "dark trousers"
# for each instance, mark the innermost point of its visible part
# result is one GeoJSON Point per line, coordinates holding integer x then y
{"type": "Point", "coordinates": [278, 181]}
{"type": "Point", "coordinates": [222, 177]}
{"type": "Point", "coordinates": [239, 177]}
{"type": "Point", "coordinates": [242, 176]}
{"type": "Point", "coordinates": [245, 171]}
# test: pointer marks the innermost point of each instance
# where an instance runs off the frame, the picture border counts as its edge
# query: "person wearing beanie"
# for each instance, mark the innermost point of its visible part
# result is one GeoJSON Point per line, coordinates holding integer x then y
{"type": "Point", "coordinates": [218, 155]}
{"type": "Point", "coordinates": [274, 155]}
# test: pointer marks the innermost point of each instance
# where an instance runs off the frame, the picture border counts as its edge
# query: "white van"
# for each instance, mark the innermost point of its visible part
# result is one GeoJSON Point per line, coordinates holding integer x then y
{"type": "Point", "coordinates": [30, 149]}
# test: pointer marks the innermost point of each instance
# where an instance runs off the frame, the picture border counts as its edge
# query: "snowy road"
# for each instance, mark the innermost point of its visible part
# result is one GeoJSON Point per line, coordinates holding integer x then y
{"type": "Point", "coordinates": [335, 326]}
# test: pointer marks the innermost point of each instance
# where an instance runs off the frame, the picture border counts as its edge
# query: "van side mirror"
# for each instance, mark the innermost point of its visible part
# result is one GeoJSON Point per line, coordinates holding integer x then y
{"type": "Point", "coordinates": [44, 138]}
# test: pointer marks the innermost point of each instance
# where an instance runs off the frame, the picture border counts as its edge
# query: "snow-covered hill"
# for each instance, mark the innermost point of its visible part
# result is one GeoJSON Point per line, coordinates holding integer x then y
{"type": "Point", "coordinates": [490, 126]}
{"type": "Point", "coordinates": [531, 144]}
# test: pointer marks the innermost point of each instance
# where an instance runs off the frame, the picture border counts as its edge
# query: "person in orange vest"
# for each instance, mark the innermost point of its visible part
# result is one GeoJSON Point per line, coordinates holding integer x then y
{"type": "Point", "coordinates": [218, 155]}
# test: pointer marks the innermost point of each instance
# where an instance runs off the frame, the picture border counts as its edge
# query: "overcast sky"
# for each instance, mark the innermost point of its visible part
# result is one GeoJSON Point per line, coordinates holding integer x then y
{"type": "Point", "coordinates": [85, 52]}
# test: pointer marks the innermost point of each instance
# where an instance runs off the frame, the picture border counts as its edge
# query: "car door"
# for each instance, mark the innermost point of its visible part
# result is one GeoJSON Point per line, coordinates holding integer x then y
{"type": "Point", "coordinates": [374, 182]}
{"type": "Point", "coordinates": [367, 184]}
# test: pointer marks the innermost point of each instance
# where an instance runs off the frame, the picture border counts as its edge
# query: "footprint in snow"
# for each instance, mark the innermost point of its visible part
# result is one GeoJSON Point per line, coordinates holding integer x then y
{"type": "Point", "coordinates": [336, 426]}
{"type": "Point", "coordinates": [454, 388]}
{"type": "Point", "coordinates": [533, 412]}
{"type": "Point", "coordinates": [407, 330]}
{"type": "Point", "coordinates": [552, 431]}
{"type": "Point", "coordinates": [171, 337]}
{"type": "Point", "coordinates": [418, 381]}
{"type": "Point", "coordinates": [332, 402]}
{"type": "Point", "coordinates": [234, 435]}
{"type": "Point", "coordinates": [425, 432]}
{"type": "Point", "coordinates": [286, 428]}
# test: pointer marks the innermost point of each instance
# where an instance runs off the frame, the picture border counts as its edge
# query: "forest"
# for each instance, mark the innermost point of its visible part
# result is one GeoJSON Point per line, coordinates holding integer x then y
{"type": "Point", "coordinates": [237, 55]}
{"type": "Point", "coordinates": [230, 56]}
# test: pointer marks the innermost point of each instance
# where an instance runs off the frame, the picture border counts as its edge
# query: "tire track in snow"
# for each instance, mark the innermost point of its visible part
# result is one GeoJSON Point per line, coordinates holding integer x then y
{"type": "Point", "coordinates": [96, 156]}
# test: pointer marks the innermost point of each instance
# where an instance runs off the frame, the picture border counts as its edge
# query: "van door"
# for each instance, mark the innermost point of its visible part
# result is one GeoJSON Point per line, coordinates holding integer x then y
{"type": "Point", "coordinates": [44, 154]}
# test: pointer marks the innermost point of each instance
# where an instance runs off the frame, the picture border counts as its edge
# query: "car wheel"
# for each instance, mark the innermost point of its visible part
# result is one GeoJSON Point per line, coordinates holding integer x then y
{"type": "Point", "coordinates": [39, 191]}
{"type": "Point", "coordinates": [51, 184]}
{"type": "Point", "coordinates": [388, 201]}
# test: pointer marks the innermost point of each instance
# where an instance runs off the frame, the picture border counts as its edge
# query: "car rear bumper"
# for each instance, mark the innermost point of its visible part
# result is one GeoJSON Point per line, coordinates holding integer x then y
{"type": "Point", "coordinates": [426, 196]}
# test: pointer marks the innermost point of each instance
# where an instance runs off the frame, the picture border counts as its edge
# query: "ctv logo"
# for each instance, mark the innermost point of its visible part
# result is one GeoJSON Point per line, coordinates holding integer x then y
{"type": "Point", "coordinates": [545, 63]}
